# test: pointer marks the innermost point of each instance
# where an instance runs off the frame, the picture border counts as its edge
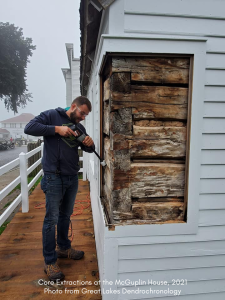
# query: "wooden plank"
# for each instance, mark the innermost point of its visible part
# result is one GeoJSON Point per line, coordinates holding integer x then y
{"type": "Point", "coordinates": [159, 111]}
{"type": "Point", "coordinates": [154, 70]}
{"type": "Point", "coordinates": [158, 212]}
{"type": "Point", "coordinates": [157, 180]}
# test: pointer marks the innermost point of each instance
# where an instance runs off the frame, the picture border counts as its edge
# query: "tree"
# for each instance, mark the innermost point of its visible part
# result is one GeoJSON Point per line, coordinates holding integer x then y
{"type": "Point", "coordinates": [14, 53]}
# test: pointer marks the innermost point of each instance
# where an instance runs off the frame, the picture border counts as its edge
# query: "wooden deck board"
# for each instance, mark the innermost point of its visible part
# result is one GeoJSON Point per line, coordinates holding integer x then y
{"type": "Point", "coordinates": [21, 260]}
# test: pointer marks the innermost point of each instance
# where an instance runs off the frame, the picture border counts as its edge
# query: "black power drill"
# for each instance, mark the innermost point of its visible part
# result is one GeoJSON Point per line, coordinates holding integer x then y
{"type": "Point", "coordinates": [80, 139]}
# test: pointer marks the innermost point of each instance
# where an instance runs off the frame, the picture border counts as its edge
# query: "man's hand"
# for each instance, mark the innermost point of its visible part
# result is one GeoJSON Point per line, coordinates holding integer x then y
{"type": "Point", "coordinates": [88, 141]}
{"type": "Point", "coordinates": [65, 131]}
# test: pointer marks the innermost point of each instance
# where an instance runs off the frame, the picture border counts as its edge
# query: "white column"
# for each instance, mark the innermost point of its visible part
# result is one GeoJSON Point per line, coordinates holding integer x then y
{"type": "Point", "coordinates": [24, 185]}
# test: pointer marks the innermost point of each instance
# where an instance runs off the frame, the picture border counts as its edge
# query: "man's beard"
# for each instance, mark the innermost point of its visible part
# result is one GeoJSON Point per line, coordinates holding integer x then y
{"type": "Point", "coordinates": [74, 118]}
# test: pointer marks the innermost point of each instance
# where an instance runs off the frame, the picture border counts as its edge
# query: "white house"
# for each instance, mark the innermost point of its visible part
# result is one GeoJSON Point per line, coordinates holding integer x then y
{"type": "Point", "coordinates": [155, 74]}
{"type": "Point", "coordinates": [4, 133]}
{"type": "Point", "coordinates": [15, 126]}
{"type": "Point", "coordinates": [72, 76]}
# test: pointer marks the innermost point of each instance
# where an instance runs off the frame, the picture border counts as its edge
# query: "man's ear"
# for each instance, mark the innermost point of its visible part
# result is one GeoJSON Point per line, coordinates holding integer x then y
{"type": "Point", "coordinates": [73, 106]}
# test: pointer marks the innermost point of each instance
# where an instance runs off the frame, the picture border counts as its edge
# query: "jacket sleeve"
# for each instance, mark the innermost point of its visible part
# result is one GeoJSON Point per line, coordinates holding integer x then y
{"type": "Point", "coordinates": [83, 147]}
{"type": "Point", "coordinates": [40, 125]}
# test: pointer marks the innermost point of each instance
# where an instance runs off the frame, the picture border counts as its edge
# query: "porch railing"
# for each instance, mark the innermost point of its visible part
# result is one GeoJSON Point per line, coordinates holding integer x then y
{"type": "Point", "coordinates": [22, 179]}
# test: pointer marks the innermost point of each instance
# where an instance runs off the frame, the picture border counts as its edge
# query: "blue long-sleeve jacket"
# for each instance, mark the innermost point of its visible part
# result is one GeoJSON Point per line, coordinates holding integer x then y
{"type": "Point", "coordinates": [60, 153]}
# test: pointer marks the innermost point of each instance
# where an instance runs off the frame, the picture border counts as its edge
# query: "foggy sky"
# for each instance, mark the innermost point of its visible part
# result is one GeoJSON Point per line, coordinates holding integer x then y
{"type": "Point", "coordinates": [51, 24]}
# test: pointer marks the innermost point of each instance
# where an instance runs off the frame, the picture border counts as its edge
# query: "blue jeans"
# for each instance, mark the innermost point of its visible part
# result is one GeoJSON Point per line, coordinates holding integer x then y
{"type": "Point", "coordinates": [60, 193]}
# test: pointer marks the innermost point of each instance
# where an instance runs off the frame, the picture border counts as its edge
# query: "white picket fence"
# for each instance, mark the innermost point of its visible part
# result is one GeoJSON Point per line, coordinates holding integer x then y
{"type": "Point", "coordinates": [22, 179]}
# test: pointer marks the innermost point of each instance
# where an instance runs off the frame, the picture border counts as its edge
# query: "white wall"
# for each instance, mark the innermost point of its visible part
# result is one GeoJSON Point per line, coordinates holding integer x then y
{"type": "Point", "coordinates": [199, 257]}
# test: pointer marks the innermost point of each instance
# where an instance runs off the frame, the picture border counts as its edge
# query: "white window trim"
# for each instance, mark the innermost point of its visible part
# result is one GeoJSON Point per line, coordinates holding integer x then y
{"type": "Point", "coordinates": [169, 45]}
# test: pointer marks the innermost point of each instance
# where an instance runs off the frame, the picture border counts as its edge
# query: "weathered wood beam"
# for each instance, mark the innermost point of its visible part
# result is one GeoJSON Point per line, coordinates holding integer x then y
{"type": "Point", "coordinates": [156, 180]}
{"type": "Point", "coordinates": [121, 121]}
{"type": "Point", "coordinates": [159, 212]}
{"type": "Point", "coordinates": [105, 3]}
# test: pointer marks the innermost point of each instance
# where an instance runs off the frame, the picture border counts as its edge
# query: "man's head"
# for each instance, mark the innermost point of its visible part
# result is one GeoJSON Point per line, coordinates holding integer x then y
{"type": "Point", "coordinates": [79, 109]}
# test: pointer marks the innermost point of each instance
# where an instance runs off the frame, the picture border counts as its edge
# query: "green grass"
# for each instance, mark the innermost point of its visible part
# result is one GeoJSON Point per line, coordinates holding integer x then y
{"type": "Point", "coordinates": [3, 227]}
{"type": "Point", "coordinates": [7, 204]}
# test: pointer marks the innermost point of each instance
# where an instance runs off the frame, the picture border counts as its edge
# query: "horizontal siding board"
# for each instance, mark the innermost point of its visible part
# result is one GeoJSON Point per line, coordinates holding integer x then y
{"type": "Point", "coordinates": [192, 288]}
{"type": "Point", "coordinates": [168, 275]}
{"type": "Point", "coordinates": [215, 186]}
{"type": "Point", "coordinates": [213, 125]}
{"type": "Point", "coordinates": [212, 217]}
{"type": "Point", "coordinates": [213, 141]}
{"type": "Point", "coordinates": [215, 61]}
{"type": "Point", "coordinates": [212, 201]}
{"type": "Point", "coordinates": [215, 77]}
{"type": "Point", "coordinates": [215, 93]}
{"type": "Point", "coordinates": [202, 296]}
{"type": "Point", "coordinates": [216, 157]}
{"type": "Point", "coordinates": [174, 25]}
{"type": "Point", "coordinates": [178, 263]}
{"type": "Point", "coordinates": [210, 171]}
{"type": "Point", "coordinates": [214, 110]}
{"type": "Point", "coordinates": [213, 233]}
{"type": "Point", "coordinates": [215, 44]}
{"type": "Point", "coordinates": [169, 250]}
{"type": "Point", "coordinates": [185, 7]}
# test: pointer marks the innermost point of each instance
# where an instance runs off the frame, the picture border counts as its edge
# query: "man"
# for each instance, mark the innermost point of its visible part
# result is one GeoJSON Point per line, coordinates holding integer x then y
{"type": "Point", "coordinates": [60, 181]}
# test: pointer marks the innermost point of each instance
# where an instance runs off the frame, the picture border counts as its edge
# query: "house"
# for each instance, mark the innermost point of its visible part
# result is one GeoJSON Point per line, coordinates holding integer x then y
{"type": "Point", "coordinates": [155, 74]}
{"type": "Point", "coordinates": [15, 126]}
{"type": "Point", "coordinates": [4, 133]}
{"type": "Point", "coordinates": [72, 76]}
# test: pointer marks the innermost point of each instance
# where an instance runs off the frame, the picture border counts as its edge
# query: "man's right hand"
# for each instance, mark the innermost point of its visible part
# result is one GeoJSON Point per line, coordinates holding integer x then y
{"type": "Point", "coordinates": [65, 131]}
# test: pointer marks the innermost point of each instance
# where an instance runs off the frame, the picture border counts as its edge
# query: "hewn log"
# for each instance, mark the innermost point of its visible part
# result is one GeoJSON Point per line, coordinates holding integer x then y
{"type": "Point", "coordinates": [158, 212]}
{"type": "Point", "coordinates": [107, 91]}
{"type": "Point", "coordinates": [156, 180]}
{"type": "Point", "coordinates": [154, 70]}
{"type": "Point", "coordinates": [153, 123]}
{"type": "Point", "coordinates": [106, 119]}
{"type": "Point", "coordinates": [177, 134]}
{"type": "Point", "coordinates": [120, 82]}
{"type": "Point", "coordinates": [152, 94]}
{"type": "Point", "coordinates": [159, 111]}
{"type": "Point", "coordinates": [150, 148]}
{"type": "Point", "coordinates": [121, 121]}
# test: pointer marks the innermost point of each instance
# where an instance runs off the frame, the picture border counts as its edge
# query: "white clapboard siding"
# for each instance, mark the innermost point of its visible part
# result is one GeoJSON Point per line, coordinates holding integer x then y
{"type": "Point", "coordinates": [192, 288]}
{"type": "Point", "coordinates": [213, 171]}
{"type": "Point", "coordinates": [213, 141]}
{"type": "Point", "coordinates": [212, 201]}
{"type": "Point", "coordinates": [214, 110]}
{"type": "Point", "coordinates": [201, 296]}
{"type": "Point", "coordinates": [164, 24]}
{"type": "Point", "coordinates": [209, 186]}
{"type": "Point", "coordinates": [171, 250]}
{"type": "Point", "coordinates": [165, 275]}
{"type": "Point", "coordinates": [179, 7]}
{"type": "Point", "coordinates": [215, 93]}
{"type": "Point", "coordinates": [213, 125]}
{"type": "Point", "coordinates": [211, 217]}
{"type": "Point", "coordinates": [210, 157]}
{"type": "Point", "coordinates": [178, 263]}
{"type": "Point", "coordinates": [215, 77]}
{"type": "Point", "coordinates": [215, 61]}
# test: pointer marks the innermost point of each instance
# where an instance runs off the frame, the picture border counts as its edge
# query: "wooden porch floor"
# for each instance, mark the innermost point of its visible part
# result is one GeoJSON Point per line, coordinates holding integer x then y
{"type": "Point", "coordinates": [21, 260]}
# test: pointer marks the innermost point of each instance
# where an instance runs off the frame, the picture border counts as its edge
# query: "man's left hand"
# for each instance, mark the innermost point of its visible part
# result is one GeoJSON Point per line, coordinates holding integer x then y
{"type": "Point", "coordinates": [88, 141]}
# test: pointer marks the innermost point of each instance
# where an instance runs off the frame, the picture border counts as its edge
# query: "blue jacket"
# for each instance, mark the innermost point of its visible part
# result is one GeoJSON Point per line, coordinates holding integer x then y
{"type": "Point", "coordinates": [60, 153]}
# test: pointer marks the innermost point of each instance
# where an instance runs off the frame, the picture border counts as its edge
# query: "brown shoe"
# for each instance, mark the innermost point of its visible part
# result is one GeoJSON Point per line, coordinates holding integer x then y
{"type": "Point", "coordinates": [69, 253]}
{"type": "Point", "coordinates": [53, 272]}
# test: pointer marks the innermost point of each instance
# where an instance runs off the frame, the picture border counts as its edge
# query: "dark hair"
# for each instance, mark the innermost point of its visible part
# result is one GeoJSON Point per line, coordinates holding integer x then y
{"type": "Point", "coordinates": [81, 100]}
